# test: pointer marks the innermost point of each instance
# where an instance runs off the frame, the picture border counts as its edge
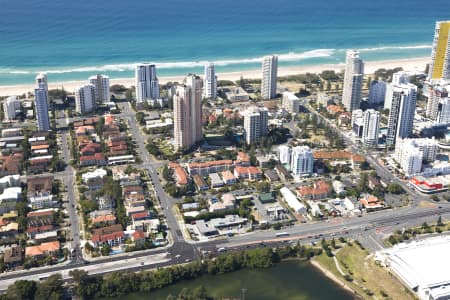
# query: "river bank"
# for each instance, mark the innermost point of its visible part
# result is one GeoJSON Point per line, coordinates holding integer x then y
{"type": "Point", "coordinates": [415, 65]}
{"type": "Point", "coordinates": [334, 278]}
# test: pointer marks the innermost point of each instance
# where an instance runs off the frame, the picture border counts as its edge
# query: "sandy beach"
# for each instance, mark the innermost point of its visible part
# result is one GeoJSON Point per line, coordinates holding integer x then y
{"type": "Point", "coordinates": [410, 64]}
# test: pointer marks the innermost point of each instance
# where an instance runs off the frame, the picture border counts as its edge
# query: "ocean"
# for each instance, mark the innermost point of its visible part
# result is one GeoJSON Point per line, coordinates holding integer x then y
{"type": "Point", "coordinates": [72, 40]}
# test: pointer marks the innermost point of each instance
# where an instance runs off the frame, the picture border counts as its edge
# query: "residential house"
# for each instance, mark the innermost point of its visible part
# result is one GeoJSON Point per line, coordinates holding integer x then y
{"type": "Point", "coordinates": [250, 173]}
{"type": "Point", "coordinates": [12, 256]}
{"type": "Point", "coordinates": [200, 183]}
{"type": "Point", "coordinates": [371, 203]}
{"type": "Point", "coordinates": [95, 179]}
{"type": "Point", "coordinates": [11, 164]}
{"type": "Point", "coordinates": [242, 159]}
{"type": "Point", "coordinates": [103, 220]}
{"type": "Point", "coordinates": [179, 173]}
{"type": "Point", "coordinates": [283, 172]}
{"type": "Point", "coordinates": [48, 248]}
{"type": "Point", "coordinates": [9, 198]}
{"type": "Point", "coordinates": [112, 235]}
{"type": "Point", "coordinates": [9, 181]}
{"type": "Point", "coordinates": [228, 177]}
{"type": "Point", "coordinates": [204, 168]}
{"type": "Point", "coordinates": [319, 190]}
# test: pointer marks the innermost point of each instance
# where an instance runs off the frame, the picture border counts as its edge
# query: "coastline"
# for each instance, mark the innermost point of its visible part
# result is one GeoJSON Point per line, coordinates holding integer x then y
{"type": "Point", "coordinates": [334, 278]}
{"type": "Point", "coordinates": [410, 64]}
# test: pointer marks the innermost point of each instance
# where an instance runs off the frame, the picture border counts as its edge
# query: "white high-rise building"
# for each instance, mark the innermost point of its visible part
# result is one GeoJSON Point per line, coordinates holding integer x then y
{"type": "Point", "coordinates": [85, 99]}
{"type": "Point", "coordinates": [377, 92]}
{"type": "Point", "coordinates": [210, 82]}
{"type": "Point", "coordinates": [147, 85]}
{"type": "Point", "coordinates": [10, 107]}
{"type": "Point", "coordinates": [440, 53]}
{"type": "Point", "coordinates": [41, 107]}
{"type": "Point", "coordinates": [353, 77]}
{"type": "Point", "coordinates": [401, 112]}
{"type": "Point", "coordinates": [101, 83]}
{"type": "Point", "coordinates": [443, 116]}
{"type": "Point", "coordinates": [42, 82]}
{"type": "Point", "coordinates": [290, 102]}
{"type": "Point", "coordinates": [410, 153]}
{"type": "Point", "coordinates": [284, 152]}
{"type": "Point", "coordinates": [371, 128]}
{"type": "Point", "coordinates": [409, 157]}
{"type": "Point", "coordinates": [438, 105]}
{"type": "Point", "coordinates": [302, 161]}
{"type": "Point", "coordinates": [398, 78]}
{"type": "Point", "coordinates": [187, 113]}
{"type": "Point", "coordinates": [255, 123]}
{"type": "Point", "coordinates": [269, 77]}
{"type": "Point", "coordinates": [358, 122]}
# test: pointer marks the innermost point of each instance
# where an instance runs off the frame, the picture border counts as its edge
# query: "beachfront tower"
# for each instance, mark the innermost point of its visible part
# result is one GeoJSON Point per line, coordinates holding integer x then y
{"type": "Point", "coordinates": [41, 106]}
{"type": "Point", "coordinates": [41, 81]}
{"type": "Point", "coordinates": [10, 107]}
{"type": "Point", "coordinates": [210, 82]}
{"type": "Point", "coordinates": [269, 77]}
{"type": "Point", "coordinates": [353, 77]}
{"type": "Point", "coordinates": [255, 123]}
{"type": "Point", "coordinates": [101, 83]}
{"type": "Point", "coordinates": [147, 85]}
{"type": "Point", "coordinates": [401, 112]}
{"type": "Point", "coordinates": [440, 52]}
{"type": "Point", "coordinates": [371, 128]}
{"type": "Point", "coordinates": [187, 113]}
{"type": "Point", "coordinates": [85, 99]}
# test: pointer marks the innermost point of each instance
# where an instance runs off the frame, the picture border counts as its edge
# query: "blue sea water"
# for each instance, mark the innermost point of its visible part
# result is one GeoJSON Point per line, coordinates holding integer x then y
{"type": "Point", "coordinates": [72, 40]}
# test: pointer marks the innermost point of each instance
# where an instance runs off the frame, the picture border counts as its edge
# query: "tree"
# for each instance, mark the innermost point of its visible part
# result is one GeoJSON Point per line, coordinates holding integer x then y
{"type": "Point", "coordinates": [51, 288]}
{"type": "Point", "coordinates": [21, 289]}
{"type": "Point", "coordinates": [439, 222]}
{"type": "Point", "coordinates": [263, 187]}
{"type": "Point", "coordinates": [84, 286]}
{"type": "Point", "coordinates": [106, 249]}
{"type": "Point", "coordinates": [394, 188]}
{"type": "Point", "coordinates": [140, 118]}
{"type": "Point", "coordinates": [129, 95]}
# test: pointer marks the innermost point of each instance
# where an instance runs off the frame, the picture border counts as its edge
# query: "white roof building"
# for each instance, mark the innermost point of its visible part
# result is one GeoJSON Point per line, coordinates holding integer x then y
{"type": "Point", "coordinates": [422, 265]}
{"type": "Point", "coordinates": [292, 201]}
{"type": "Point", "coordinates": [94, 174]}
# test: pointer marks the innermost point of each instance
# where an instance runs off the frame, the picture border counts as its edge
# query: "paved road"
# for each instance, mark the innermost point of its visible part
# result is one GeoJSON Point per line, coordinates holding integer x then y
{"type": "Point", "coordinates": [67, 177]}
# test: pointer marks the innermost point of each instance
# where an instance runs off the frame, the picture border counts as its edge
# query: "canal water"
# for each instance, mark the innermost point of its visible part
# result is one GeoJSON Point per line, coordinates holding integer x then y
{"type": "Point", "coordinates": [291, 280]}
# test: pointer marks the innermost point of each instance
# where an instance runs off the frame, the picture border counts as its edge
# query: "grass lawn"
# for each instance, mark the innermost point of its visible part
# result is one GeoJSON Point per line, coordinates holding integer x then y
{"type": "Point", "coordinates": [369, 279]}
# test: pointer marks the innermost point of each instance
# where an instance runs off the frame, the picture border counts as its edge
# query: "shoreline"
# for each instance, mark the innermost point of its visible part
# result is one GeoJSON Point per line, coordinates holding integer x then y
{"type": "Point", "coordinates": [414, 65]}
{"type": "Point", "coordinates": [334, 278]}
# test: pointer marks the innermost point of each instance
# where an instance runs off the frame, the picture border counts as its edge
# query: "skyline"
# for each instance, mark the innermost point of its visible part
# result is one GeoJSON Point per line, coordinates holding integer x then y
{"type": "Point", "coordinates": [301, 130]}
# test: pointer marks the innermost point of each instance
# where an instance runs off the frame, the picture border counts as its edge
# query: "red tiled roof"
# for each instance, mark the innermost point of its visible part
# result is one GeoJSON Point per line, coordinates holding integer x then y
{"type": "Point", "coordinates": [210, 163]}
{"type": "Point", "coordinates": [43, 228]}
{"type": "Point", "coordinates": [320, 187]}
{"type": "Point", "coordinates": [247, 170]}
{"type": "Point", "coordinates": [42, 248]}
{"type": "Point", "coordinates": [104, 218]}
{"type": "Point", "coordinates": [138, 235]}
{"type": "Point", "coordinates": [139, 215]}
{"type": "Point", "coordinates": [40, 213]}
{"type": "Point", "coordinates": [241, 156]}
{"type": "Point", "coordinates": [107, 237]}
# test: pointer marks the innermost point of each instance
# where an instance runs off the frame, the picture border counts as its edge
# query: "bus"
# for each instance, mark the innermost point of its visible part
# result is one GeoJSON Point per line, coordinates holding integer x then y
{"type": "Point", "coordinates": [281, 234]}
